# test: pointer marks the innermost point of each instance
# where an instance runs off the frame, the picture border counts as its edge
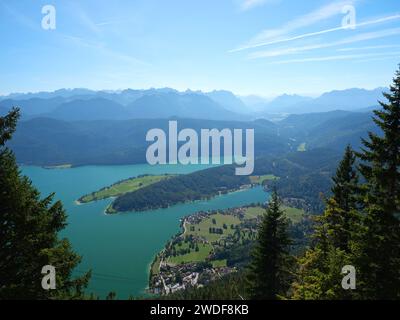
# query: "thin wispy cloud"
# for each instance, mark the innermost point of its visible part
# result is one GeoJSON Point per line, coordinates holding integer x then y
{"type": "Point", "coordinates": [110, 22]}
{"type": "Point", "coordinates": [86, 20]}
{"type": "Point", "coordinates": [20, 18]}
{"type": "Point", "coordinates": [350, 40]}
{"type": "Point", "coordinates": [318, 33]}
{"type": "Point", "coordinates": [275, 35]}
{"type": "Point", "coordinates": [101, 47]}
{"type": "Point", "coordinates": [338, 57]}
{"type": "Point", "coordinates": [250, 4]}
{"type": "Point", "coordinates": [388, 46]}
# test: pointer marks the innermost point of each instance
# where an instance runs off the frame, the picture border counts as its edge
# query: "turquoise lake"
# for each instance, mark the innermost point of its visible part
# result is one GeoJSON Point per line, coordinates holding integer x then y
{"type": "Point", "coordinates": [120, 248]}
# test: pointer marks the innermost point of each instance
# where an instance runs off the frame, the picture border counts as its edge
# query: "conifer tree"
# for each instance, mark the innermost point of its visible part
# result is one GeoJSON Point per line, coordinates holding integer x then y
{"type": "Point", "coordinates": [269, 272]}
{"type": "Point", "coordinates": [341, 217]}
{"type": "Point", "coordinates": [29, 233]}
{"type": "Point", "coordinates": [379, 262]}
{"type": "Point", "coordinates": [336, 233]}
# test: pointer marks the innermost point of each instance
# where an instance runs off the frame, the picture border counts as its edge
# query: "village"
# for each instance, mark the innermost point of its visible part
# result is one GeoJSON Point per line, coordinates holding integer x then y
{"type": "Point", "coordinates": [191, 258]}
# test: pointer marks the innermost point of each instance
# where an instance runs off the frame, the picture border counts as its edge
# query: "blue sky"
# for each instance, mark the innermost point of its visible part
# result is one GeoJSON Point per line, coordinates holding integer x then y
{"type": "Point", "coordinates": [264, 47]}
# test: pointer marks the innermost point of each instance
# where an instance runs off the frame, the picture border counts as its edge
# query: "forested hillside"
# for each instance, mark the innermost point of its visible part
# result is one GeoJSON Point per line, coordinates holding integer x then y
{"type": "Point", "coordinates": [45, 141]}
{"type": "Point", "coordinates": [195, 186]}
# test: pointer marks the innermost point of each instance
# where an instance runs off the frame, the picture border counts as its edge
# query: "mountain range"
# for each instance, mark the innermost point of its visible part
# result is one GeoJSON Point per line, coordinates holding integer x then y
{"type": "Point", "coordinates": [49, 141]}
{"type": "Point", "coordinates": [84, 104]}
{"type": "Point", "coordinates": [80, 104]}
{"type": "Point", "coordinates": [350, 100]}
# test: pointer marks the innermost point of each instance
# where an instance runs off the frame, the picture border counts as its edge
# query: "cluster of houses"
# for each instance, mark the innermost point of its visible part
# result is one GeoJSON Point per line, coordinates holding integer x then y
{"type": "Point", "coordinates": [174, 278]}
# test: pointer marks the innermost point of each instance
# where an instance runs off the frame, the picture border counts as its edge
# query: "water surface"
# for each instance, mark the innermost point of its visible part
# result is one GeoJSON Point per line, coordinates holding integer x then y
{"type": "Point", "coordinates": [119, 248]}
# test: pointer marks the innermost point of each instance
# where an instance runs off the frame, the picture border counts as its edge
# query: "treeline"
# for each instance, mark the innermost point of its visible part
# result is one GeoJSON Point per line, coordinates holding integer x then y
{"type": "Point", "coordinates": [195, 186]}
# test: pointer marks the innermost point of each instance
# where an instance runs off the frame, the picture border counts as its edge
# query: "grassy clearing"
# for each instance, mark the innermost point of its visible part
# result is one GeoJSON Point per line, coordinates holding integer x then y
{"type": "Point", "coordinates": [155, 267]}
{"type": "Point", "coordinates": [122, 187]}
{"type": "Point", "coordinates": [193, 256]}
{"type": "Point", "coordinates": [302, 147]}
{"type": "Point", "coordinates": [261, 179]}
{"type": "Point", "coordinates": [293, 214]}
{"type": "Point", "coordinates": [214, 221]}
{"type": "Point", "coordinates": [253, 212]}
{"type": "Point", "coordinates": [218, 263]}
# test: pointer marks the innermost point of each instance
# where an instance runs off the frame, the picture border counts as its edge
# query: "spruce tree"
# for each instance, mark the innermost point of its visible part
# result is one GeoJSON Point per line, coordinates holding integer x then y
{"type": "Point", "coordinates": [341, 217]}
{"type": "Point", "coordinates": [336, 234]}
{"type": "Point", "coordinates": [29, 233]}
{"type": "Point", "coordinates": [379, 262]}
{"type": "Point", "coordinates": [269, 272]}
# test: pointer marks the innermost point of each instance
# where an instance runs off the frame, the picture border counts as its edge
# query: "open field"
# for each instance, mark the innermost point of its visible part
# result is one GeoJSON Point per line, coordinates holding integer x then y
{"type": "Point", "coordinates": [302, 147]}
{"type": "Point", "coordinates": [293, 214]}
{"type": "Point", "coordinates": [193, 256]}
{"type": "Point", "coordinates": [214, 221]}
{"type": "Point", "coordinates": [219, 263]}
{"type": "Point", "coordinates": [202, 230]}
{"type": "Point", "coordinates": [155, 266]}
{"type": "Point", "coordinates": [122, 187]}
{"type": "Point", "coordinates": [261, 179]}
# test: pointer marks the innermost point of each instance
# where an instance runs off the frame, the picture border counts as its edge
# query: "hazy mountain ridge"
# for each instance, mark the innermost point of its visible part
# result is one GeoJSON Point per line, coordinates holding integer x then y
{"type": "Point", "coordinates": [334, 129]}
{"type": "Point", "coordinates": [354, 99]}
{"type": "Point", "coordinates": [47, 141]}
{"type": "Point", "coordinates": [128, 104]}
{"type": "Point", "coordinates": [229, 101]}
{"type": "Point", "coordinates": [167, 102]}
{"type": "Point", "coordinates": [85, 127]}
{"type": "Point", "coordinates": [91, 109]}
{"type": "Point", "coordinates": [187, 105]}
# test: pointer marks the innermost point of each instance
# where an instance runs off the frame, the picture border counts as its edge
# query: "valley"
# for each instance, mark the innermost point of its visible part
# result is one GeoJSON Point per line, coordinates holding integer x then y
{"type": "Point", "coordinates": [239, 150]}
{"type": "Point", "coordinates": [199, 222]}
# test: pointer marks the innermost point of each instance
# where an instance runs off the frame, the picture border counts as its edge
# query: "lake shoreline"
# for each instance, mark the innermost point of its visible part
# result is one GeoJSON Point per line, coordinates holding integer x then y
{"type": "Point", "coordinates": [247, 187]}
{"type": "Point", "coordinates": [121, 245]}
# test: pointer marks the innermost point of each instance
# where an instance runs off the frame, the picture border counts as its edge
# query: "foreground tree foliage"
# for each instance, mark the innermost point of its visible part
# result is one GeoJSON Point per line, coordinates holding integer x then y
{"type": "Point", "coordinates": [29, 233]}
{"type": "Point", "coordinates": [269, 272]}
{"type": "Point", "coordinates": [319, 275]}
{"type": "Point", "coordinates": [379, 252]}
{"type": "Point", "coordinates": [361, 223]}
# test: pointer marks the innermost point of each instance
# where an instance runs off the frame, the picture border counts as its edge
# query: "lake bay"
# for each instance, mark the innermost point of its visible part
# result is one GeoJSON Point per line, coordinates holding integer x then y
{"type": "Point", "coordinates": [119, 248]}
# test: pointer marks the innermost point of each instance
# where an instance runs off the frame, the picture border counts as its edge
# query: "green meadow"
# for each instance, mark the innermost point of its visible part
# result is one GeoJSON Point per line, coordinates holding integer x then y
{"type": "Point", "coordinates": [122, 187]}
